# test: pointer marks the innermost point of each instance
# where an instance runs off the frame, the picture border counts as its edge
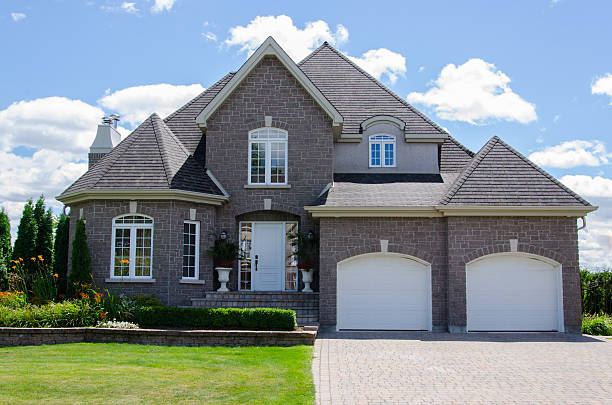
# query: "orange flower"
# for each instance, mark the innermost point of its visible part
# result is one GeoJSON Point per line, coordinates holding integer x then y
{"type": "Point", "coordinates": [55, 275]}
{"type": "Point", "coordinates": [14, 267]}
{"type": "Point", "coordinates": [41, 258]}
{"type": "Point", "coordinates": [20, 259]}
{"type": "Point", "coordinates": [125, 261]}
{"type": "Point", "coordinates": [33, 259]}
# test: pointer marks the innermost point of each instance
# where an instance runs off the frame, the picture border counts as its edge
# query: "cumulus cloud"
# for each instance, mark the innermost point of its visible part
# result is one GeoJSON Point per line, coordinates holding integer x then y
{"type": "Point", "coordinates": [603, 85]}
{"type": "Point", "coordinates": [475, 92]}
{"type": "Point", "coordinates": [53, 123]}
{"type": "Point", "coordinates": [129, 7]}
{"type": "Point", "coordinates": [595, 241]}
{"type": "Point", "coordinates": [18, 16]}
{"type": "Point", "coordinates": [572, 154]}
{"type": "Point", "coordinates": [162, 5]}
{"type": "Point", "coordinates": [135, 104]}
{"type": "Point", "coordinates": [378, 62]}
{"type": "Point", "coordinates": [588, 186]}
{"type": "Point", "coordinates": [297, 42]}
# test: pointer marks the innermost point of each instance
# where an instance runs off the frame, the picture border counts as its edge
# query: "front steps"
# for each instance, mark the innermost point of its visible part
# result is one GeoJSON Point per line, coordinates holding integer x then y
{"type": "Point", "coordinates": [305, 305]}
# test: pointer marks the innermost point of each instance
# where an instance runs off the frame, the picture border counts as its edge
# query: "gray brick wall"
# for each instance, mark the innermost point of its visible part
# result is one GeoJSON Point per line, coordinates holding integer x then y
{"type": "Point", "coordinates": [552, 237]}
{"type": "Point", "coordinates": [167, 244]}
{"type": "Point", "coordinates": [270, 90]}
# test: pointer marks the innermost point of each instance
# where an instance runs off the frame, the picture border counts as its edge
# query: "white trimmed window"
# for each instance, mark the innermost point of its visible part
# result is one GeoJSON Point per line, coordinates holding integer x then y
{"type": "Point", "coordinates": [382, 151]}
{"type": "Point", "coordinates": [191, 249]}
{"type": "Point", "coordinates": [132, 253]}
{"type": "Point", "coordinates": [268, 156]}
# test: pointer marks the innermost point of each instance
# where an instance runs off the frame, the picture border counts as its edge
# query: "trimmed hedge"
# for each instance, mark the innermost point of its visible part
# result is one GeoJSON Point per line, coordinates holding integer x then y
{"type": "Point", "coordinates": [217, 318]}
{"type": "Point", "coordinates": [54, 315]}
{"type": "Point", "coordinates": [597, 325]}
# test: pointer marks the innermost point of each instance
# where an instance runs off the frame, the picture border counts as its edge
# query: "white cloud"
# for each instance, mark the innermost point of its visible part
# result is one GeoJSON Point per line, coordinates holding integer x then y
{"type": "Point", "coordinates": [603, 85]}
{"type": "Point", "coordinates": [53, 123]}
{"type": "Point", "coordinates": [382, 61]}
{"type": "Point", "coordinates": [297, 42]}
{"type": "Point", "coordinates": [162, 5]}
{"type": "Point", "coordinates": [18, 16]}
{"type": "Point", "coordinates": [475, 92]}
{"type": "Point", "coordinates": [556, 118]}
{"type": "Point", "coordinates": [129, 7]}
{"type": "Point", "coordinates": [595, 241]}
{"type": "Point", "coordinates": [135, 104]}
{"type": "Point", "coordinates": [209, 36]}
{"type": "Point", "coordinates": [589, 186]}
{"type": "Point", "coordinates": [572, 154]}
{"type": "Point", "coordinates": [421, 68]}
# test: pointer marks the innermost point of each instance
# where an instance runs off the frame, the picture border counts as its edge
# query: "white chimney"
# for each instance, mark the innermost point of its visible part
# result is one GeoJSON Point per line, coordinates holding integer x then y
{"type": "Point", "coordinates": [107, 138]}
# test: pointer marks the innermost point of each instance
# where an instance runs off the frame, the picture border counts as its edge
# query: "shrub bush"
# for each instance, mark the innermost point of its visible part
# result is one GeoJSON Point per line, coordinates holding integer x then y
{"type": "Point", "coordinates": [217, 318]}
{"type": "Point", "coordinates": [597, 325]}
{"type": "Point", "coordinates": [13, 299]}
{"type": "Point", "coordinates": [596, 292]}
{"type": "Point", "coordinates": [54, 315]}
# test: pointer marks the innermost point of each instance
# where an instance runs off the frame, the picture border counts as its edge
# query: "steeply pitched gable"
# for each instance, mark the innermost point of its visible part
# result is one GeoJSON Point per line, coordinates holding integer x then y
{"type": "Point", "coordinates": [358, 96]}
{"type": "Point", "coordinates": [454, 156]}
{"type": "Point", "coordinates": [500, 176]}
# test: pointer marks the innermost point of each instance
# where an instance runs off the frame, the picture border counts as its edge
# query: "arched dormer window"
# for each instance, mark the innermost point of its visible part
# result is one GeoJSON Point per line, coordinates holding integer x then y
{"type": "Point", "coordinates": [132, 252]}
{"type": "Point", "coordinates": [268, 156]}
{"type": "Point", "coordinates": [382, 150]}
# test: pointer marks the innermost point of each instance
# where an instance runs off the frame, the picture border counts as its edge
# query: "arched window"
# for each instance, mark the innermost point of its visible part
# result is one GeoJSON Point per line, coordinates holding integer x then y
{"type": "Point", "coordinates": [382, 151]}
{"type": "Point", "coordinates": [132, 253]}
{"type": "Point", "coordinates": [268, 156]}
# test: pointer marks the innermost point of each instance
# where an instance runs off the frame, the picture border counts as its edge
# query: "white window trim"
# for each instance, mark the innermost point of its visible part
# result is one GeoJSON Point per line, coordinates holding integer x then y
{"type": "Point", "coordinates": [382, 142]}
{"type": "Point", "coordinates": [268, 163]}
{"type": "Point", "coordinates": [132, 259]}
{"type": "Point", "coordinates": [197, 251]}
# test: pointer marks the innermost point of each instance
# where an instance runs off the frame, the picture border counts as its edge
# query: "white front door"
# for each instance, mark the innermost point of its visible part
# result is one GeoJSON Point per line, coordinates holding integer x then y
{"type": "Point", "coordinates": [268, 256]}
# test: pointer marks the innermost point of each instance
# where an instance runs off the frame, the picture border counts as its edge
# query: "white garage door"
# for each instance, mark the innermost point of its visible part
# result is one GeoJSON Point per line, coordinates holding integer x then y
{"type": "Point", "coordinates": [384, 292]}
{"type": "Point", "coordinates": [513, 293]}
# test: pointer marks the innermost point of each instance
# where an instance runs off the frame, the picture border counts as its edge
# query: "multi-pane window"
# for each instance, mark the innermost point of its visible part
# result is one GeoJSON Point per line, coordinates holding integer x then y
{"type": "Point", "coordinates": [268, 156]}
{"type": "Point", "coordinates": [132, 254]}
{"type": "Point", "coordinates": [191, 247]}
{"type": "Point", "coordinates": [382, 151]}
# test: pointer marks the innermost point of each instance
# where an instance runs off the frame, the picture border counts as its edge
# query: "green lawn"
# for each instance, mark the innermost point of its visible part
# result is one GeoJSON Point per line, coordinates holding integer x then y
{"type": "Point", "coordinates": [132, 374]}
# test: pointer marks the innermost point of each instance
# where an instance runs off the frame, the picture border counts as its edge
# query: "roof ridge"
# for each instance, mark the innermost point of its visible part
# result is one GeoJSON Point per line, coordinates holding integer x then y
{"type": "Point", "coordinates": [193, 100]}
{"type": "Point", "coordinates": [543, 172]}
{"type": "Point", "coordinates": [161, 145]}
{"type": "Point", "coordinates": [382, 86]}
{"type": "Point", "coordinates": [469, 169]}
{"type": "Point", "coordinates": [311, 54]}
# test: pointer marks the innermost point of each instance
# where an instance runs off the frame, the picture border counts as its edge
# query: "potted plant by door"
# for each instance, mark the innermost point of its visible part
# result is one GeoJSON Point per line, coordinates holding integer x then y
{"type": "Point", "coordinates": [306, 249]}
{"type": "Point", "coordinates": [224, 252]}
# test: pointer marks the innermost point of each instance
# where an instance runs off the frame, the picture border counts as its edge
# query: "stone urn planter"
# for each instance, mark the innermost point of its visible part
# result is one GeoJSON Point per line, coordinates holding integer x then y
{"type": "Point", "coordinates": [307, 279]}
{"type": "Point", "coordinates": [224, 273]}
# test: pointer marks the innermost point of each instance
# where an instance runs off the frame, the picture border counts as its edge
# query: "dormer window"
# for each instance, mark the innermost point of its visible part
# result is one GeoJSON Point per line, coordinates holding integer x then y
{"type": "Point", "coordinates": [382, 151]}
{"type": "Point", "coordinates": [268, 156]}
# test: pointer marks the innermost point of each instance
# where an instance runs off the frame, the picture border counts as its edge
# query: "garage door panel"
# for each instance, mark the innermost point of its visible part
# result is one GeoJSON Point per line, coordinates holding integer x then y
{"type": "Point", "coordinates": [383, 292]}
{"type": "Point", "coordinates": [512, 293]}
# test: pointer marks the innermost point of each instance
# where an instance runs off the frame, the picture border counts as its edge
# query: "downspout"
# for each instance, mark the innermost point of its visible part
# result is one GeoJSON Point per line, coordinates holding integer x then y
{"type": "Point", "coordinates": [583, 223]}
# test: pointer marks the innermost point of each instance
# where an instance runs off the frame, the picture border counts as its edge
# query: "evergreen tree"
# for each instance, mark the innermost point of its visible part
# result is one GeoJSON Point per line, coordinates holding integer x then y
{"type": "Point", "coordinates": [44, 226]}
{"type": "Point", "coordinates": [80, 270]}
{"type": "Point", "coordinates": [60, 258]}
{"type": "Point", "coordinates": [5, 249]}
{"type": "Point", "coordinates": [25, 244]}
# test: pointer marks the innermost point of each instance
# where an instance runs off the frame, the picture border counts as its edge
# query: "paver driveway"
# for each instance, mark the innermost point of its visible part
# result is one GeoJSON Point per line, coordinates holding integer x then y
{"type": "Point", "coordinates": [414, 368]}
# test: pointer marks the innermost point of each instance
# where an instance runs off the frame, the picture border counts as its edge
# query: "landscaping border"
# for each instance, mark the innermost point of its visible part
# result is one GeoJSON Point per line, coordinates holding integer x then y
{"type": "Point", "coordinates": [159, 337]}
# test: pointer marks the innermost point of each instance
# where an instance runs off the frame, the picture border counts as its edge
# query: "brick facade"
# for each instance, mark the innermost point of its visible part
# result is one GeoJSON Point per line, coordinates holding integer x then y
{"type": "Point", "coordinates": [448, 244]}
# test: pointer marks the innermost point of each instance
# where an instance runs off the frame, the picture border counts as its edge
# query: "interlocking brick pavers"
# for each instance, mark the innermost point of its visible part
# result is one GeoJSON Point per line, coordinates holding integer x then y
{"type": "Point", "coordinates": [415, 368]}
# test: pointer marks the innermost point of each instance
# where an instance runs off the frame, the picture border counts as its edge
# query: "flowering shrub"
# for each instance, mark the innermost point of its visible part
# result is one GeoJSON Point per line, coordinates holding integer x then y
{"type": "Point", "coordinates": [16, 299]}
{"type": "Point", "coordinates": [114, 324]}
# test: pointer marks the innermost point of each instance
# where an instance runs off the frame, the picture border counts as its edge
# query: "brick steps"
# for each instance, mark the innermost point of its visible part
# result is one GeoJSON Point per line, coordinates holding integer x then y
{"type": "Point", "coordinates": [305, 305]}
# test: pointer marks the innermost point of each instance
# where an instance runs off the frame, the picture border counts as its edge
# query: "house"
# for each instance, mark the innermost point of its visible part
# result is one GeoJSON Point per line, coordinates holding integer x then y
{"type": "Point", "coordinates": [416, 232]}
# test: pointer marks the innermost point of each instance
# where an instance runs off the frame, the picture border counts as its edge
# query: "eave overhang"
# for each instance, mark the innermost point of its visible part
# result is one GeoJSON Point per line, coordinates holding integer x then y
{"type": "Point", "coordinates": [130, 194]}
{"type": "Point", "coordinates": [270, 48]}
{"type": "Point", "coordinates": [446, 211]}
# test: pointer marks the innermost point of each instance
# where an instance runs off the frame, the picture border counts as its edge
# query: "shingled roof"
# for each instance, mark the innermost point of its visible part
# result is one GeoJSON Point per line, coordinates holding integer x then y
{"type": "Point", "coordinates": [498, 175]}
{"type": "Point", "coordinates": [358, 96]}
{"type": "Point", "coordinates": [150, 158]}
{"type": "Point", "coordinates": [454, 156]}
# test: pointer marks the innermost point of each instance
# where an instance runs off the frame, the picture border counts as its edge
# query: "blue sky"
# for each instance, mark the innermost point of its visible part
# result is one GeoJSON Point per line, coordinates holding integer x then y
{"type": "Point", "coordinates": [536, 73]}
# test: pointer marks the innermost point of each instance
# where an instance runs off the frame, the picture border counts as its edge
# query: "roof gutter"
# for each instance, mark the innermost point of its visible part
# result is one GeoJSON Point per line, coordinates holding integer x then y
{"type": "Point", "coordinates": [127, 194]}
